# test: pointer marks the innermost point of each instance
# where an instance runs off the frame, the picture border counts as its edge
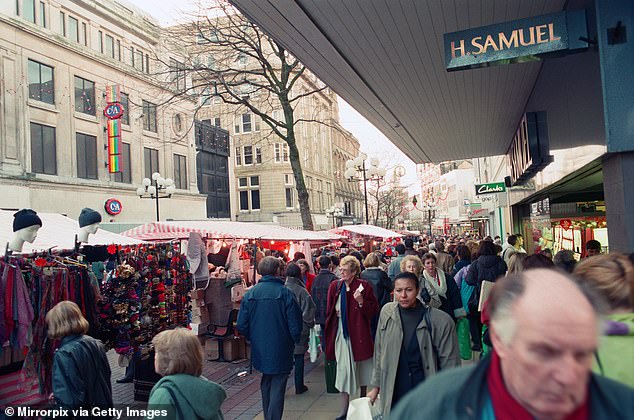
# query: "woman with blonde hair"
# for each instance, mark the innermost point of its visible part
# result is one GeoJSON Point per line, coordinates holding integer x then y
{"type": "Point", "coordinates": [516, 263]}
{"type": "Point", "coordinates": [612, 276]}
{"type": "Point", "coordinates": [81, 372]}
{"type": "Point", "coordinates": [179, 359]}
{"type": "Point", "coordinates": [413, 264]}
{"type": "Point", "coordinates": [351, 307]}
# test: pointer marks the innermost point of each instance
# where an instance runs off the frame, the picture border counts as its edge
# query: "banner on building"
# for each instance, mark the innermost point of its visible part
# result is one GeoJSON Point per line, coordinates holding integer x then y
{"type": "Point", "coordinates": [113, 112]}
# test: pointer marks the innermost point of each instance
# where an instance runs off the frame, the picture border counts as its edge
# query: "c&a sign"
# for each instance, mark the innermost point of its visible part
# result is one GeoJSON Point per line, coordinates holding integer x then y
{"type": "Point", "coordinates": [515, 41]}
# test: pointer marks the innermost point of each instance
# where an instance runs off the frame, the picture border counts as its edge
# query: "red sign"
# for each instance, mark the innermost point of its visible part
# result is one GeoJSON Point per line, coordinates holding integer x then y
{"type": "Point", "coordinates": [113, 206]}
{"type": "Point", "coordinates": [113, 111]}
{"type": "Point", "coordinates": [565, 223]}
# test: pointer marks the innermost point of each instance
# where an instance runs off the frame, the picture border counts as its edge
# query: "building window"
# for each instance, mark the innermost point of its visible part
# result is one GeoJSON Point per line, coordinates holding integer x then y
{"type": "Point", "coordinates": [281, 152]}
{"type": "Point", "coordinates": [249, 193]}
{"type": "Point", "coordinates": [62, 23]}
{"type": "Point", "coordinates": [258, 155]}
{"type": "Point", "coordinates": [73, 29]}
{"type": "Point", "coordinates": [180, 172]}
{"type": "Point", "coordinates": [149, 116]}
{"type": "Point", "coordinates": [289, 198]}
{"type": "Point", "coordinates": [238, 156]}
{"type": "Point", "coordinates": [109, 46]}
{"type": "Point", "coordinates": [86, 156]}
{"type": "Point", "coordinates": [125, 102]}
{"type": "Point", "coordinates": [248, 155]}
{"type": "Point", "coordinates": [100, 41]}
{"type": "Point", "coordinates": [43, 149]}
{"type": "Point", "coordinates": [41, 85]}
{"type": "Point", "coordinates": [246, 123]}
{"type": "Point", "coordinates": [177, 75]}
{"type": "Point", "coordinates": [118, 50]}
{"type": "Point", "coordinates": [84, 96]}
{"type": "Point", "coordinates": [84, 31]}
{"type": "Point", "coordinates": [150, 160]}
{"type": "Point", "coordinates": [43, 14]}
{"type": "Point", "coordinates": [125, 175]}
{"type": "Point", "coordinates": [28, 10]}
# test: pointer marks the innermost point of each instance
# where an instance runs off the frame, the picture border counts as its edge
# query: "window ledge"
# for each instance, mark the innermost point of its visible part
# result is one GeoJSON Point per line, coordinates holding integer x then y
{"type": "Point", "coordinates": [126, 127]}
{"type": "Point", "coordinates": [42, 105]}
{"type": "Point", "coordinates": [86, 117]}
{"type": "Point", "coordinates": [150, 134]}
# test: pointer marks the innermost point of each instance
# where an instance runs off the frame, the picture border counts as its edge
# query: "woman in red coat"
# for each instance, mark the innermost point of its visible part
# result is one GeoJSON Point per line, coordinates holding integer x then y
{"type": "Point", "coordinates": [307, 276]}
{"type": "Point", "coordinates": [351, 306]}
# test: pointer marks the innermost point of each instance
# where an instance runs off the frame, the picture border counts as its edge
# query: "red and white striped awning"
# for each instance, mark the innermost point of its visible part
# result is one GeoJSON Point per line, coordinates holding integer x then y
{"type": "Point", "coordinates": [165, 231]}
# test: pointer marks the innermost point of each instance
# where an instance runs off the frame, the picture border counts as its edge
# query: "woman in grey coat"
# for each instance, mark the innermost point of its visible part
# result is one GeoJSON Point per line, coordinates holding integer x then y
{"type": "Point", "coordinates": [306, 304]}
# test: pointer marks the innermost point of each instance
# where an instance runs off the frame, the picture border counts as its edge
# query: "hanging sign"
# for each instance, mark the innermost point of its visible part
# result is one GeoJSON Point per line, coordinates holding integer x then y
{"type": "Point", "coordinates": [492, 188]}
{"type": "Point", "coordinates": [565, 224]}
{"type": "Point", "coordinates": [113, 112]}
{"type": "Point", "coordinates": [113, 206]}
{"type": "Point", "coordinates": [517, 41]}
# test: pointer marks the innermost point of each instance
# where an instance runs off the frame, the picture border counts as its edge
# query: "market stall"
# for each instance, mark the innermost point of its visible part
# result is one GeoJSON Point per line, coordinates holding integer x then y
{"type": "Point", "coordinates": [367, 237]}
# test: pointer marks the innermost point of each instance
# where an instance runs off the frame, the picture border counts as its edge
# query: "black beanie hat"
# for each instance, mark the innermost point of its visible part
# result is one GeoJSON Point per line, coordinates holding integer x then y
{"type": "Point", "coordinates": [25, 218]}
{"type": "Point", "coordinates": [88, 217]}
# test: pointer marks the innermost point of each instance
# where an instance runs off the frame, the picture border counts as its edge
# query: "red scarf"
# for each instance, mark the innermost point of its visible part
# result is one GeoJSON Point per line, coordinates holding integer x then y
{"type": "Point", "coordinates": [504, 405]}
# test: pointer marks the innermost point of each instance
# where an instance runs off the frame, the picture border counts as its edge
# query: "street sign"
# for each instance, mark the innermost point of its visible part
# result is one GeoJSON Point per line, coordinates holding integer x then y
{"type": "Point", "coordinates": [491, 188]}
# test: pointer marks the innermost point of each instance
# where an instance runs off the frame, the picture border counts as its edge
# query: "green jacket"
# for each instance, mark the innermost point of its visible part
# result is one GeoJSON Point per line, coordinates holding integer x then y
{"type": "Point", "coordinates": [462, 394]}
{"type": "Point", "coordinates": [387, 347]}
{"type": "Point", "coordinates": [616, 352]}
{"type": "Point", "coordinates": [187, 397]}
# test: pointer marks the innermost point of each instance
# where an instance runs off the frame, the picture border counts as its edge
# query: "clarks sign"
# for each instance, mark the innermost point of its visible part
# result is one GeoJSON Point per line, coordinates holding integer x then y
{"type": "Point", "coordinates": [516, 41]}
{"type": "Point", "coordinates": [496, 187]}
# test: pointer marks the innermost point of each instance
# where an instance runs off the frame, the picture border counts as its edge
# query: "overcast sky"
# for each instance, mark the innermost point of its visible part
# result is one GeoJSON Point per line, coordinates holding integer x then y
{"type": "Point", "coordinates": [372, 141]}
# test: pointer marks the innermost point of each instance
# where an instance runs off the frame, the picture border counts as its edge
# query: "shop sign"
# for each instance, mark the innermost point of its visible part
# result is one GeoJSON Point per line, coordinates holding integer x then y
{"type": "Point", "coordinates": [565, 224]}
{"type": "Point", "coordinates": [113, 112]}
{"type": "Point", "coordinates": [113, 206]}
{"type": "Point", "coordinates": [529, 152]}
{"type": "Point", "coordinates": [516, 41]}
{"type": "Point", "coordinates": [491, 188]}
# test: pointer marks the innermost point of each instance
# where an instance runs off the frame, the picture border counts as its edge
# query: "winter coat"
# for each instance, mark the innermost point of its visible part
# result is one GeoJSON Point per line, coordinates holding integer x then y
{"type": "Point", "coordinates": [380, 282]}
{"type": "Point", "coordinates": [358, 319]}
{"type": "Point", "coordinates": [485, 267]}
{"type": "Point", "coordinates": [445, 261]}
{"type": "Point", "coordinates": [307, 307]}
{"type": "Point", "coordinates": [616, 349]}
{"type": "Point", "coordinates": [463, 394]}
{"type": "Point", "coordinates": [271, 319]}
{"type": "Point", "coordinates": [192, 397]}
{"type": "Point", "coordinates": [308, 281]}
{"type": "Point", "coordinates": [457, 266]}
{"type": "Point", "coordinates": [387, 347]}
{"type": "Point", "coordinates": [81, 373]}
{"type": "Point", "coordinates": [319, 292]}
{"type": "Point", "coordinates": [394, 269]}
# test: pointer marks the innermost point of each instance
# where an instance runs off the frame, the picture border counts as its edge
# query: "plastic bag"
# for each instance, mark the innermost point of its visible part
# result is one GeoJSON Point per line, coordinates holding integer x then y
{"type": "Point", "coordinates": [363, 409]}
{"type": "Point", "coordinates": [464, 340]}
{"type": "Point", "coordinates": [313, 343]}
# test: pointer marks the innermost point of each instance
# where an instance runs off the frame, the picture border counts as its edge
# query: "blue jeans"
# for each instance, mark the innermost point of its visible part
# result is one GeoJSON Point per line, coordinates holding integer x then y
{"type": "Point", "coordinates": [273, 388]}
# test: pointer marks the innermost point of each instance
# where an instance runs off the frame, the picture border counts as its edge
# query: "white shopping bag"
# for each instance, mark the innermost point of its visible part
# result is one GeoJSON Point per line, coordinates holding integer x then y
{"type": "Point", "coordinates": [362, 409]}
{"type": "Point", "coordinates": [313, 343]}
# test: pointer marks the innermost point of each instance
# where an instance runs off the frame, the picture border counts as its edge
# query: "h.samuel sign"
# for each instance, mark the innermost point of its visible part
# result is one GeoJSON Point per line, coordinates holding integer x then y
{"type": "Point", "coordinates": [515, 41]}
{"type": "Point", "coordinates": [496, 187]}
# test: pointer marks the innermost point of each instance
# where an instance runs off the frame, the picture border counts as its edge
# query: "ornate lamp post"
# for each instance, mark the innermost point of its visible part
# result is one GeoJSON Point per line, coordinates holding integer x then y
{"type": "Point", "coordinates": [160, 188]}
{"type": "Point", "coordinates": [357, 170]}
{"type": "Point", "coordinates": [336, 213]}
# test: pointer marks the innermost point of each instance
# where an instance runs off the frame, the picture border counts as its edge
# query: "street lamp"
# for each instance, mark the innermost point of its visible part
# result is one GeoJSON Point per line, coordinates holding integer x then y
{"type": "Point", "coordinates": [430, 207]}
{"type": "Point", "coordinates": [335, 213]}
{"type": "Point", "coordinates": [162, 188]}
{"type": "Point", "coordinates": [356, 170]}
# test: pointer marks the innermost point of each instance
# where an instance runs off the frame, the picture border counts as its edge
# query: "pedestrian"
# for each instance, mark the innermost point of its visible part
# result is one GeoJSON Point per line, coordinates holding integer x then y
{"type": "Point", "coordinates": [413, 343]}
{"type": "Point", "coordinates": [612, 276]}
{"type": "Point", "coordinates": [271, 320]}
{"type": "Point", "coordinates": [537, 261]}
{"type": "Point", "coordinates": [509, 248]}
{"type": "Point", "coordinates": [463, 256]}
{"type": "Point", "coordinates": [540, 366]}
{"type": "Point", "coordinates": [306, 276]}
{"type": "Point", "coordinates": [81, 372]}
{"type": "Point", "coordinates": [179, 360]}
{"type": "Point", "coordinates": [307, 306]}
{"type": "Point", "coordinates": [445, 286]}
{"type": "Point", "coordinates": [444, 261]}
{"type": "Point", "coordinates": [409, 247]}
{"type": "Point", "coordinates": [319, 292]}
{"type": "Point", "coordinates": [380, 282]}
{"type": "Point", "coordinates": [516, 263]}
{"type": "Point", "coordinates": [593, 247]}
{"type": "Point", "coordinates": [413, 264]}
{"type": "Point", "coordinates": [351, 306]}
{"type": "Point", "coordinates": [395, 265]}
{"type": "Point", "coordinates": [565, 260]}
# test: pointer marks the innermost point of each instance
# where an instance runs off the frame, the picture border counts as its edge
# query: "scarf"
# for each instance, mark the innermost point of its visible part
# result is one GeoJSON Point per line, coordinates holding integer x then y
{"type": "Point", "coordinates": [506, 407]}
{"type": "Point", "coordinates": [439, 282]}
{"type": "Point", "coordinates": [343, 309]}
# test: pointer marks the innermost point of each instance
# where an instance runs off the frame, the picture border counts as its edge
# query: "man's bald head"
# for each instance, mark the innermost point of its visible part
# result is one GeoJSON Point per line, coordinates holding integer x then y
{"type": "Point", "coordinates": [541, 293]}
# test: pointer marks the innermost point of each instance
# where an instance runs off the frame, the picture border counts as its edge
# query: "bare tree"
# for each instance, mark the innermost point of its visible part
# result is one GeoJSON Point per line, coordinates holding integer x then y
{"type": "Point", "coordinates": [225, 56]}
{"type": "Point", "coordinates": [387, 201]}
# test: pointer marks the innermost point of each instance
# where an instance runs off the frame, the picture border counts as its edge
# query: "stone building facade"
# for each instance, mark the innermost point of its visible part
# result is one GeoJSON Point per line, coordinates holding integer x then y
{"type": "Point", "coordinates": [56, 59]}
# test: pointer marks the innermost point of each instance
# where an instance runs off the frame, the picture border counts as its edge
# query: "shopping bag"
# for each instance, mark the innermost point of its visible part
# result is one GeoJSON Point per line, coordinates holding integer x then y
{"type": "Point", "coordinates": [313, 343]}
{"type": "Point", "coordinates": [485, 349]}
{"type": "Point", "coordinates": [363, 409]}
{"type": "Point", "coordinates": [464, 340]}
{"type": "Point", "coordinates": [331, 376]}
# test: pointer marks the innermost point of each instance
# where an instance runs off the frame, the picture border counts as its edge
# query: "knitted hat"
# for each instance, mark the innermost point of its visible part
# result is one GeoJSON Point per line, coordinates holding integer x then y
{"type": "Point", "coordinates": [88, 217]}
{"type": "Point", "coordinates": [25, 218]}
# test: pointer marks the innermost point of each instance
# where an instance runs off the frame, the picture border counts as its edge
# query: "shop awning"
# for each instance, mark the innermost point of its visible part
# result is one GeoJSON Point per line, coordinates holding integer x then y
{"type": "Point", "coordinates": [165, 231]}
{"type": "Point", "coordinates": [57, 232]}
{"type": "Point", "coordinates": [368, 230]}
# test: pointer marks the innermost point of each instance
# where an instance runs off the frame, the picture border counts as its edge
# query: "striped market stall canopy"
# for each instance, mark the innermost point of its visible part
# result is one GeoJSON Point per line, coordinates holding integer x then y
{"type": "Point", "coordinates": [367, 230]}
